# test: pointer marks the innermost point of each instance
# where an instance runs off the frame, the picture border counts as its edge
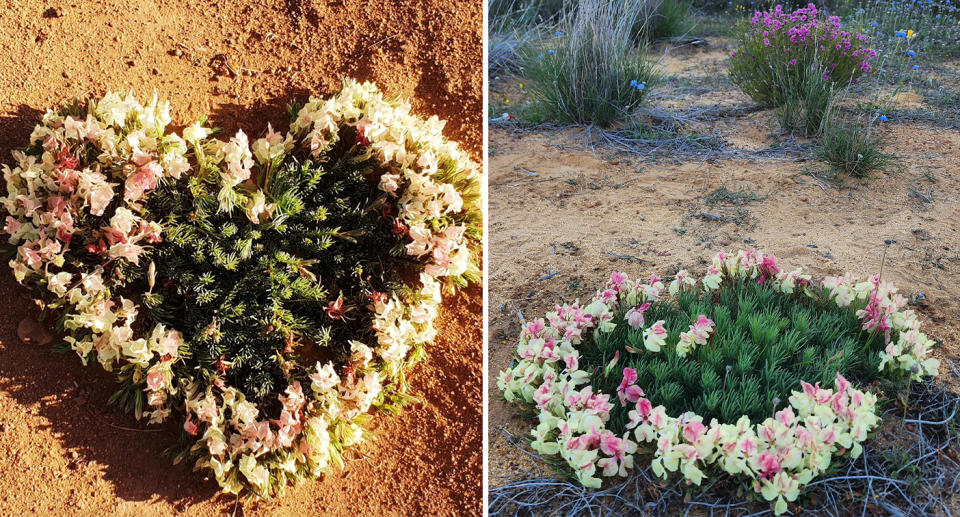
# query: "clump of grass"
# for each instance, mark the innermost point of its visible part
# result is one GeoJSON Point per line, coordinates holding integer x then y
{"type": "Point", "coordinates": [852, 148]}
{"type": "Point", "coordinates": [805, 101]}
{"type": "Point", "coordinates": [541, 9]}
{"type": "Point", "coordinates": [590, 71]}
{"type": "Point", "coordinates": [513, 25]}
{"type": "Point", "coordinates": [663, 19]}
{"type": "Point", "coordinates": [723, 195]}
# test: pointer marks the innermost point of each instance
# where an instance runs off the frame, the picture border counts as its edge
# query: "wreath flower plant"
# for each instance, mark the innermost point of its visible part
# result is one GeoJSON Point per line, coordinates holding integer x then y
{"type": "Point", "coordinates": [265, 295]}
{"type": "Point", "coordinates": [726, 376]}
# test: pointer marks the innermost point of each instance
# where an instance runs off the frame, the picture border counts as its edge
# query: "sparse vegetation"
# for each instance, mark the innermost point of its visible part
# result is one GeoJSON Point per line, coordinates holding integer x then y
{"type": "Point", "coordinates": [853, 148]}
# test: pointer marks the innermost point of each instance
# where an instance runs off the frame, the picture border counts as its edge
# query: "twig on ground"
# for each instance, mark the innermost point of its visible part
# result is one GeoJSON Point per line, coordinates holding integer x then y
{"type": "Point", "coordinates": [921, 195]}
{"type": "Point", "coordinates": [550, 274]}
{"type": "Point", "coordinates": [622, 256]}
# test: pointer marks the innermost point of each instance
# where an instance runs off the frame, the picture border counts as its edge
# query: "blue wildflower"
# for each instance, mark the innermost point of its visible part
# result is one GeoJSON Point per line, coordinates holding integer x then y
{"type": "Point", "coordinates": [883, 118]}
{"type": "Point", "coordinates": [641, 86]}
{"type": "Point", "coordinates": [557, 33]}
{"type": "Point", "coordinates": [911, 53]}
{"type": "Point", "coordinates": [540, 56]}
{"type": "Point", "coordinates": [915, 67]}
{"type": "Point", "coordinates": [901, 34]}
{"type": "Point", "coordinates": [633, 82]}
{"type": "Point", "coordinates": [551, 52]}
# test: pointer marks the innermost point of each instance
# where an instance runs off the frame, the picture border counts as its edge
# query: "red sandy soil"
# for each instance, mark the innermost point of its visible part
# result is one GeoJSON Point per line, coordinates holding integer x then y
{"type": "Point", "coordinates": [63, 451]}
{"type": "Point", "coordinates": [587, 202]}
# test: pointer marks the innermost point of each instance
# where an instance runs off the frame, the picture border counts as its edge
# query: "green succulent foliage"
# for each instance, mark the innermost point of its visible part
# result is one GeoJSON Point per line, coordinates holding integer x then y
{"type": "Point", "coordinates": [764, 344]}
{"type": "Point", "coordinates": [255, 294]}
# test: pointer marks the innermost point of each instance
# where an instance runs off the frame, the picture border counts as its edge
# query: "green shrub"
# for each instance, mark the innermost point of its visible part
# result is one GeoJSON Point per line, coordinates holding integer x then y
{"type": "Point", "coordinates": [589, 72]}
{"type": "Point", "coordinates": [241, 290]}
{"type": "Point", "coordinates": [795, 59]}
{"type": "Point", "coordinates": [763, 345]}
{"type": "Point", "coordinates": [664, 19]}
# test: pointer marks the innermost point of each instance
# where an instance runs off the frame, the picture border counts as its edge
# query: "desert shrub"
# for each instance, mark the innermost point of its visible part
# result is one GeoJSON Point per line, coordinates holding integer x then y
{"type": "Point", "coordinates": [727, 376]}
{"type": "Point", "coordinates": [589, 72]}
{"type": "Point", "coordinates": [852, 147]}
{"type": "Point", "coordinates": [782, 57]}
{"type": "Point", "coordinates": [267, 296]}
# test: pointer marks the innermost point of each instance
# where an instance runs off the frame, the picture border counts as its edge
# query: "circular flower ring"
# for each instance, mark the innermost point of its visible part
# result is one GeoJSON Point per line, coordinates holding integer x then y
{"type": "Point", "coordinates": [702, 371]}
{"type": "Point", "coordinates": [266, 295]}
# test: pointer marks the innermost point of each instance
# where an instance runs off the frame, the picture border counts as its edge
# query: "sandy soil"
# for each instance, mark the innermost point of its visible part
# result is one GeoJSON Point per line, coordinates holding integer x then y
{"type": "Point", "coordinates": [63, 451]}
{"type": "Point", "coordinates": [563, 213]}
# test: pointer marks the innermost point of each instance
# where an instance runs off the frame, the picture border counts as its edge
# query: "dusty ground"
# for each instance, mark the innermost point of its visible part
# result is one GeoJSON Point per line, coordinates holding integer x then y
{"type": "Point", "coordinates": [63, 451]}
{"type": "Point", "coordinates": [563, 213]}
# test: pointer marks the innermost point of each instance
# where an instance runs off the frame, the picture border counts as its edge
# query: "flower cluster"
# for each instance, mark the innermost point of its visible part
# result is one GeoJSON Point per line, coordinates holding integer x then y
{"type": "Point", "coordinates": [418, 163]}
{"type": "Point", "coordinates": [62, 195]}
{"type": "Point", "coordinates": [780, 50]}
{"type": "Point", "coordinates": [698, 335]}
{"type": "Point", "coordinates": [884, 311]}
{"type": "Point", "coordinates": [72, 209]}
{"type": "Point", "coordinates": [777, 455]}
{"type": "Point", "coordinates": [928, 25]}
{"type": "Point", "coordinates": [77, 214]}
{"type": "Point", "coordinates": [244, 447]}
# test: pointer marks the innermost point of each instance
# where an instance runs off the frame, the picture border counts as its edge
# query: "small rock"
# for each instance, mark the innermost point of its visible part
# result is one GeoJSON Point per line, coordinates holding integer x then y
{"type": "Point", "coordinates": [65, 74]}
{"type": "Point", "coordinates": [177, 52]}
{"type": "Point", "coordinates": [52, 12]}
{"type": "Point", "coordinates": [131, 63]}
{"type": "Point", "coordinates": [73, 455]}
{"type": "Point", "coordinates": [155, 71]}
{"type": "Point", "coordinates": [31, 332]}
{"type": "Point", "coordinates": [3, 428]}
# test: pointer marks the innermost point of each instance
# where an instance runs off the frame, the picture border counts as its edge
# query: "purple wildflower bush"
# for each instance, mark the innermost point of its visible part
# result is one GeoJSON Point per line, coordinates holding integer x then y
{"type": "Point", "coordinates": [780, 53]}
